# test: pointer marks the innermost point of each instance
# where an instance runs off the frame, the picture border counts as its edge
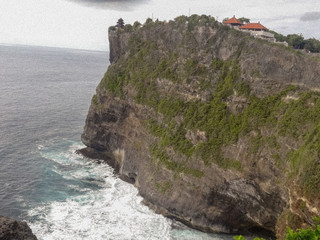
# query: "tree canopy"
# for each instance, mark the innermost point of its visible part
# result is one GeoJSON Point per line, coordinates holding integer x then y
{"type": "Point", "coordinates": [312, 44]}
{"type": "Point", "coordinates": [244, 20]}
{"type": "Point", "coordinates": [297, 41]}
{"type": "Point", "coordinates": [120, 23]}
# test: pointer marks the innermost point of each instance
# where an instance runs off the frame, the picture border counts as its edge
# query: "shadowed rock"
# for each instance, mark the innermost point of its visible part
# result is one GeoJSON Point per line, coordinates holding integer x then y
{"type": "Point", "coordinates": [11, 229]}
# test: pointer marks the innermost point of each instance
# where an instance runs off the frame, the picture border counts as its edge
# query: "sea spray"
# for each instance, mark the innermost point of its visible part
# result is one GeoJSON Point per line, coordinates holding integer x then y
{"type": "Point", "coordinates": [107, 208]}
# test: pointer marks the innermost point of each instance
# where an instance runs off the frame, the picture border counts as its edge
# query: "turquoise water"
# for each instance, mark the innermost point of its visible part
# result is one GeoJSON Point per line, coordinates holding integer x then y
{"type": "Point", "coordinates": [44, 97]}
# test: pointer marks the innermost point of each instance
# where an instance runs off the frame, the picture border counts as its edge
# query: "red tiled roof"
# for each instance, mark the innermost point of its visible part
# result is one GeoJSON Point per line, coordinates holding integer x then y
{"type": "Point", "coordinates": [232, 21]}
{"type": "Point", "coordinates": [254, 26]}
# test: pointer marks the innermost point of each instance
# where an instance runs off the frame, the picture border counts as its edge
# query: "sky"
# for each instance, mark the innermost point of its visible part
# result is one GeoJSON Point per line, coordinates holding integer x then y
{"type": "Point", "coordinates": [83, 24]}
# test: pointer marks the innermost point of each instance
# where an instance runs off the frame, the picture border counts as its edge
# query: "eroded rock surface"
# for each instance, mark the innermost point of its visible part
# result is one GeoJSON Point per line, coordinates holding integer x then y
{"type": "Point", "coordinates": [245, 187]}
{"type": "Point", "coordinates": [11, 229]}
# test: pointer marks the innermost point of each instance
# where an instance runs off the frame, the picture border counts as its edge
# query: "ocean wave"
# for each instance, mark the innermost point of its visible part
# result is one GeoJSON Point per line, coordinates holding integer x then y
{"type": "Point", "coordinates": [107, 208]}
{"type": "Point", "coordinates": [98, 205]}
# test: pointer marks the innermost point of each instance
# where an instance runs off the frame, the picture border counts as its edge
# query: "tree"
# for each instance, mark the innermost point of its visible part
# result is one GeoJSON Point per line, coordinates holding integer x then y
{"type": "Point", "coordinates": [279, 37]}
{"type": "Point", "coordinates": [136, 25]}
{"type": "Point", "coordinates": [296, 41]}
{"type": "Point", "coordinates": [181, 19]}
{"type": "Point", "coordinates": [244, 20]}
{"type": "Point", "coordinates": [120, 23]}
{"type": "Point", "coordinates": [149, 20]}
{"type": "Point", "coordinates": [225, 19]}
{"type": "Point", "coordinates": [312, 44]}
{"type": "Point", "coordinates": [128, 27]}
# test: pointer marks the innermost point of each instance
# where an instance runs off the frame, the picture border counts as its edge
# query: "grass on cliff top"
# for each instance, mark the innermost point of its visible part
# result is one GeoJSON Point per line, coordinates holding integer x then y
{"type": "Point", "coordinates": [191, 22]}
{"type": "Point", "coordinates": [298, 119]}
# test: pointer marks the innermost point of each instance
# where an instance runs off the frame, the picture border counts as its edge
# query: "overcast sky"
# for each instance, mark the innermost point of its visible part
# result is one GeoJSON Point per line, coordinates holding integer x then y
{"type": "Point", "coordinates": [84, 23]}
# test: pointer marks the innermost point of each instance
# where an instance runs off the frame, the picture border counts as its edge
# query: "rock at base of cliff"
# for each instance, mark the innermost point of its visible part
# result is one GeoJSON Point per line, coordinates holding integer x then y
{"type": "Point", "coordinates": [11, 229]}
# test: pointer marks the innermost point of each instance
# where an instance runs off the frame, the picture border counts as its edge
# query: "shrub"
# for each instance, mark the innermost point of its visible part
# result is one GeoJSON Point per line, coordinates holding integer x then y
{"type": "Point", "coordinates": [94, 100]}
{"type": "Point", "coordinates": [312, 233]}
{"type": "Point", "coordinates": [217, 64]}
{"type": "Point", "coordinates": [128, 27]}
{"type": "Point", "coordinates": [148, 21]}
{"type": "Point", "coordinates": [181, 20]}
{"type": "Point", "coordinates": [136, 25]}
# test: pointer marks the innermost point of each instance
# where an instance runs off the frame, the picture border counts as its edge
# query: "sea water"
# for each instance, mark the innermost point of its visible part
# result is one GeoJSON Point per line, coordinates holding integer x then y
{"type": "Point", "coordinates": [45, 95]}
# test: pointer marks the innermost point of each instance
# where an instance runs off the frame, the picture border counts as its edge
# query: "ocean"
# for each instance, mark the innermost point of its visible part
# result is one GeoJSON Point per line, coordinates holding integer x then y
{"type": "Point", "coordinates": [45, 95]}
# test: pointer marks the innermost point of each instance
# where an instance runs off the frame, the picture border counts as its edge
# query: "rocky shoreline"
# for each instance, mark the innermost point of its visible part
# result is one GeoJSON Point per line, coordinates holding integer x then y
{"type": "Point", "coordinates": [102, 156]}
{"type": "Point", "coordinates": [11, 229]}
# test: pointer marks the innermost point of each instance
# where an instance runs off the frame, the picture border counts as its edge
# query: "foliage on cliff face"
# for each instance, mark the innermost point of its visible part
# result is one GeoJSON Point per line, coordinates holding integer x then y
{"type": "Point", "coordinates": [149, 63]}
{"type": "Point", "coordinates": [311, 233]}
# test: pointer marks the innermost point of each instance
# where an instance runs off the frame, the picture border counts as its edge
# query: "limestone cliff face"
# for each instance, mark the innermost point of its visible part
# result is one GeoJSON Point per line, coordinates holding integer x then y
{"type": "Point", "coordinates": [11, 229]}
{"type": "Point", "coordinates": [196, 116]}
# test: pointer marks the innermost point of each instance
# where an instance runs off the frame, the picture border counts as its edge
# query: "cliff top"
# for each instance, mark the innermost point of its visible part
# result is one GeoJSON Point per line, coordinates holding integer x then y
{"type": "Point", "coordinates": [205, 39]}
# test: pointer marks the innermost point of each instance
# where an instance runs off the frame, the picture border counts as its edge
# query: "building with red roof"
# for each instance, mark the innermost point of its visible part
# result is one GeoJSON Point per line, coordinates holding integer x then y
{"type": "Point", "coordinates": [258, 31]}
{"type": "Point", "coordinates": [254, 27]}
{"type": "Point", "coordinates": [232, 22]}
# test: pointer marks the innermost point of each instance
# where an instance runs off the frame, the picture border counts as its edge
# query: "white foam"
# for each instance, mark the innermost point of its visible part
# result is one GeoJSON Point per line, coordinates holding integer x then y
{"type": "Point", "coordinates": [65, 157]}
{"type": "Point", "coordinates": [104, 214]}
{"type": "Point", "coordinates": [40, 147]}
{"type": "Point", "coordinates": [111, 211]}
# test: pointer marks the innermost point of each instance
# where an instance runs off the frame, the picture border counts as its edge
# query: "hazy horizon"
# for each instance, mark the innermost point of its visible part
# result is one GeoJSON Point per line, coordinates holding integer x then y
{"type": "Point", "coordinates": [53, 47]}
{"type": "Point", "coordinates": [83, 24]}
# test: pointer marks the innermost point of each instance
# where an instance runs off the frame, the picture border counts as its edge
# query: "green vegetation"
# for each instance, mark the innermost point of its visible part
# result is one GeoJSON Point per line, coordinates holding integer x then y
{"type": "Point", "coordinates": [192, 67]}
{"type": "Point", "coordinates": [177, 167]}
{"type": "Point", "coordinates": [311, 233]}
{"type": "Point", "coordinates": [136, 25]}
{"type": "Point", "coordinates": [94, 100]}
{"type": "Point", "coordinates": [113, 80]}
{"type": "Point", "coordinates": [244, 20]}
{"type": "Point", "coordinates": [148, 21]}
{"type": "Point", "coordinates": [300, 113]}
{"type": "Point", "coordinates": [217, 64]}
{"type": "Point", "coordinates": [305, 162]}
{"type": "Point", "coordinates": [128, 28]}
{"type": "Point", "coordinates": [165, 69]}
{"type": "Point", "coordinates": [243, 238]}
{"type": "Point", "coordinates": [196, 20]}
{"type": "Point", "coordinates": [163, 187]}
{"type": "Point", "coordinates": [312, 44]}
{"type": "Point", "coordinates": [259, 141]}
{"type": "Point", "coordinates": [297, 41]}
{"type": "Point", "coordinates": [120, 23]}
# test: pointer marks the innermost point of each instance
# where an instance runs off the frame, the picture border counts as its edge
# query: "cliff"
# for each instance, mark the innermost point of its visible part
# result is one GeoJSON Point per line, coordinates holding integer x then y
{"type": "Point", "coordinates": [11, 229]}
{"type": "Point", "coordinates": [215, 128]}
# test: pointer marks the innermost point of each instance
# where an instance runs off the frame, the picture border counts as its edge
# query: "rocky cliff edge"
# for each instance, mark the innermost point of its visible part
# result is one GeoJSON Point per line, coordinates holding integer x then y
{"type": "Point", "coordinates": [11, 229]}
{"type": "Point", "coordinates": [215, 128]}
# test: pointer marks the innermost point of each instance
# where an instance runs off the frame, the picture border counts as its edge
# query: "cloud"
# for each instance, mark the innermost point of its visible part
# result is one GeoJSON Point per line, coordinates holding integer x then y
{"type": "Point", "coordinates": [121, 5]}
{"type": "Point", "coordinates": [310, 16]}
